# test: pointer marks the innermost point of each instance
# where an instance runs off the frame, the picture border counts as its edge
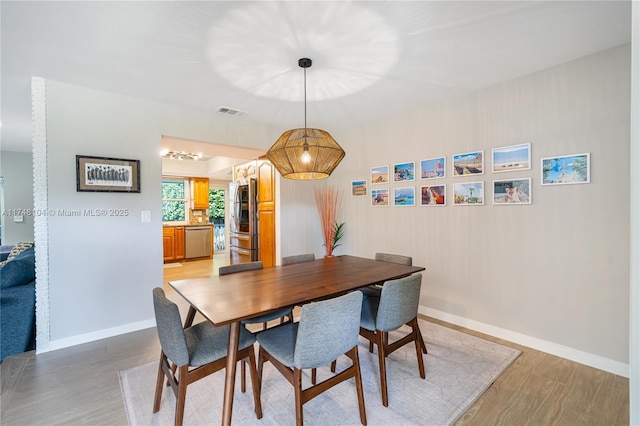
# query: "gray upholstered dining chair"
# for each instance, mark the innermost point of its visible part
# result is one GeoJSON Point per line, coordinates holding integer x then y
{"type": "Point", "coordinates": [297, 258]}
{"type": "Point", "coordinates": [262, 319]}
{"type": "Point", "coordinates": [251, 266]}
{"type": "Point", "coordinates": [326, 330]}
{"type": "Point", "coordinates": [374, 290]}
{"type": "Point", "coordinates": [189, 354]}
{"type": "Point", "coordinates": [396, 306]}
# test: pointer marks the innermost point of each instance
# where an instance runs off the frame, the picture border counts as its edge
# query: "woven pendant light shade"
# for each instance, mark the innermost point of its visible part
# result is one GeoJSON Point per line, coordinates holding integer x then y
{"type": "Point", "coordinates": [305, 154]}
{"type": "Point", "coordinates": [287, 154]}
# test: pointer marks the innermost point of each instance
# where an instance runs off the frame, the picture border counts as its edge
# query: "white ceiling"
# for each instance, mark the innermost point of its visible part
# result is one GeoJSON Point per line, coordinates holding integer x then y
{"type": "Point", "coordinates": [370, 59]}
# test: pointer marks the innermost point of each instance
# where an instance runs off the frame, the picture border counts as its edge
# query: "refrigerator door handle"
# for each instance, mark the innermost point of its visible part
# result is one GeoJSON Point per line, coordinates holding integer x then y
{"type": "Point", "coordinates": [236, 208]}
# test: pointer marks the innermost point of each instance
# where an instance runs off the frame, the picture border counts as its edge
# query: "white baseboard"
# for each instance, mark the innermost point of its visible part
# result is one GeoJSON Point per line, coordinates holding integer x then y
{"type": "Point", "coordinates": [97, 335]}
{"type": "Point", "coordinates": [576, 355]}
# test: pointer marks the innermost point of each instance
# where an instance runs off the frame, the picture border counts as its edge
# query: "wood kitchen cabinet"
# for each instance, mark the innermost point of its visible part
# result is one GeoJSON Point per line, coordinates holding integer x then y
{"type": "Point", "coordinates": [199, 193]}
{"type": "Point", "coordinates": [173, 243]}
{"type": "Point", "coordinates": [266, 213]}
{"type": "Point", "coordinates": [178, 243]}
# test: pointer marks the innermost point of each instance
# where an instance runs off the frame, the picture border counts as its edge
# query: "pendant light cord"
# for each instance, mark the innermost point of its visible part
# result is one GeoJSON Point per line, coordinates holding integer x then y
{"type": "Point", "coordinates": [305, 101]}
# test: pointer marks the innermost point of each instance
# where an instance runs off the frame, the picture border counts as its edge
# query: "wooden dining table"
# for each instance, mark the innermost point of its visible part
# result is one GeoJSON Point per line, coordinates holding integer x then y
{"type": "Point", "coordinates": [231, 298]}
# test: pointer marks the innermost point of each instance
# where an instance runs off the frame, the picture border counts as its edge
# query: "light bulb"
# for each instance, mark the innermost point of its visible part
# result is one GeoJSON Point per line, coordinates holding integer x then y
{"type": "Point", "coordinates": [306, 157]}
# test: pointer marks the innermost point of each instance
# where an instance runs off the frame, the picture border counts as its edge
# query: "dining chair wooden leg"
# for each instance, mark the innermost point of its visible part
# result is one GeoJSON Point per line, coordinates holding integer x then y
{"type": "Point", "coordinates": [424, 347]}
{"type": "Point", "coordinates": [188, 322]}
{"type": "Point", "coordinates": [159, 384]}
{"type": "Point", "coordinates": [353, 354]}
{"type": "Point", "coordinates": [243, 376]}
{"type": "Point", "coordinates": [313, 376]}
{"type": "Point", "coordinates": [333, 366]}
{"type": "Point", "coordinates": [182, 394]}
{"type": "Point", "coordinates": [383, 367]}
{"type": "Point", "coordinates": [255, 383]}
{"type": "Point", "coordinates": [416, 331]}
{"type": "Point", "coordinates": [297, 384]}
{"type": "Point", "coordinates": [260, 364]}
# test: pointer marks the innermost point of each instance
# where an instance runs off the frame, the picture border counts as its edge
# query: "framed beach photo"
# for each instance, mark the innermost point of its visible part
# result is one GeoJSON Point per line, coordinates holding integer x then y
{"type": "Point", "coordinates": [513, 191]}
{"type": "Point", "coordinates": [404, 172]}
{"type": "Point", "coordinates": [567, 169]}
{"type": "Point", "coordinates": [468, 193]}
{"type": "Point", "coordinates": [379, 175]}
{"type": "Point", "coordinates": [433, 168]}
{"type": "Point", "coordinates": [102, 174]}
{"type": "Point", "coordinates": [433, 195]}
{"type": "Point", "coordinates": [404, 196]}
{"type": "Point", "coordinates": [470, 163]}
{"type": "Point", "coordinates": [359, 188]}
{"type": "Point", "coordinates": [380, 197]}
{"type": "Point", "coordinates": [511, 158]}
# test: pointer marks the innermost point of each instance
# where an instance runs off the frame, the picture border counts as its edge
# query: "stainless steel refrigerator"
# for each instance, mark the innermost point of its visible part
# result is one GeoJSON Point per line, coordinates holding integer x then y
{"type": "Point", "coordinates": [243, 232]}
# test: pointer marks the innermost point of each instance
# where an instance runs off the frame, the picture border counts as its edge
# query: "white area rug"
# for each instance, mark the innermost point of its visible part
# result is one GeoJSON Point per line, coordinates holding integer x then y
{"type": "Point", "coordinates": [459, 368]}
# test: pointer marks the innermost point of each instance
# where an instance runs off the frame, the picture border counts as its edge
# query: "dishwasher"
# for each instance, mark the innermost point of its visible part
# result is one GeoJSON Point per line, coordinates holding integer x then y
{"type": "Point", "coordinates": [197, 241]}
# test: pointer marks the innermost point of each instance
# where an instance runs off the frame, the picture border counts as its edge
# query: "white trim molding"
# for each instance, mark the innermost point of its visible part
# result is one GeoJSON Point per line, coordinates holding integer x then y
{"type": "Point", "coordinates": [41, 207]}
{"type": "Point", "coordinates": [566, 352]}
{"type": "Point", "coordinates": [101, 334]}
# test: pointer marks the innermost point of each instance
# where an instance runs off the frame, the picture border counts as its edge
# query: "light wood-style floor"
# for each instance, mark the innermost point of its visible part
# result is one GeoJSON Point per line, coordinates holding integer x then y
{"type": "Point", "coordinates": [80, 385]}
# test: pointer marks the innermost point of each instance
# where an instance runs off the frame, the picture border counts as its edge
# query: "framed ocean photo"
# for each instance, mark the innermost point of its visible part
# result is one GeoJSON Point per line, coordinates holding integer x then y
{"type": "Point", "coordinates": [359, 188]}
{"type": "Point", "coordinates": [379, 175]}
{"type": "Point", "coordinates": [567, 169]}
{"type": "Point", "coordinates": [380, 197]}
{"type": "Point", "coordinates": [468, 193]}
{"type": "Point", "coordinates": [433, 195]}
{"type": "Point", "coordinates": [433, 168]}
{"type": "Point", "coordinates": [511, 158]}
{"type": "Point", "coordinates": [470, 163]}
{"type": "Point", "coordinates": [404, 172]}
{"type": "Point", "coordinates": [404, 196]}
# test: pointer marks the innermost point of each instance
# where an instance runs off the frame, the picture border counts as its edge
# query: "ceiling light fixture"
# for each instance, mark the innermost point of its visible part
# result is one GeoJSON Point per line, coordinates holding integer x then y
{"type": "Point", "coordinates": [305, 154]}
{"type": "Point", "coordinates": [181, 155]}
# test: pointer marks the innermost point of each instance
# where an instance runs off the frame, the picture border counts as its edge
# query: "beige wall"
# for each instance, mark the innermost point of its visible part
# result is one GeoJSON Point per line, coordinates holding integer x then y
{"type": "Point", "coordinates": [553, 274]}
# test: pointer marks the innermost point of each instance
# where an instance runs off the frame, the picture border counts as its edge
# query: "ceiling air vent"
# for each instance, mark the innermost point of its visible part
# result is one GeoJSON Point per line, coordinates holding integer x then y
{"type": "Point", "coordinates": [231, 111]}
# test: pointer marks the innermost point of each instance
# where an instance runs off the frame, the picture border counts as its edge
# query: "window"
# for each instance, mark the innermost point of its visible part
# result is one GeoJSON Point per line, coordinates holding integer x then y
{"type": "Point", "coordinates": [174, 200]}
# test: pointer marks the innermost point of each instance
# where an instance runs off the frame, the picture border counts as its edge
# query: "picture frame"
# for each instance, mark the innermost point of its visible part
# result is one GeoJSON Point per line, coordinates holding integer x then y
{"type": "Point", "coordinates": [380, 197]}
{"type": "Point", "coordinates": [468, 193]}
{"type": "Point", "coordinates": [404, 197]}
{"type": "Point", "coordinates": [511, 158]}
{"type": "Point", "coordinates": [433, 196]}
{"type": "Point", "coordinates": [469, 163]}
{"type": "Point", "coordinates": [566, 169]}
{"type": "Point", "coordinates": [512, 191]}
{"type": "Point", "coordinates": [404, 172]}
{"type": "Point", "coordinates": [104, 174]}
{"type": "Point", "coordinates": [433, 168]}
{"type": "Point", "coordinates": [359, 188]}
{"type": "Point", "coordinates": [379, 175]}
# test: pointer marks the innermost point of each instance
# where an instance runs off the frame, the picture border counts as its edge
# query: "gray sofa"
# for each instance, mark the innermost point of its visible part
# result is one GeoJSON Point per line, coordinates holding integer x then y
{"type": "Point", "coordinates": [17, 303]}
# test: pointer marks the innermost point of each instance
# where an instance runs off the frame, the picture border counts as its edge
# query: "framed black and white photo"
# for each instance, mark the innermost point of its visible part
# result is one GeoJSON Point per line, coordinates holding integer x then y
{"type": "Point", "coordinates": [102, 174]}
